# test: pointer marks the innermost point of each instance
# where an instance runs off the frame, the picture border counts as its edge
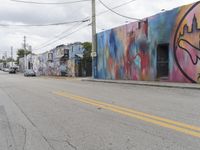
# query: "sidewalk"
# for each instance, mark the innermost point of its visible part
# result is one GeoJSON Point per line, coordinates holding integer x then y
{"type": "Point", "coordinates": [148, 83]}
{"type": "Point", "coordinates": [60, 77]}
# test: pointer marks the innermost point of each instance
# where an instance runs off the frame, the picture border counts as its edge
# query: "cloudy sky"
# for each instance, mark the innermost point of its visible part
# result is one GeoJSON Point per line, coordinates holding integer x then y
{"type": "Point", "coordinates": [43, 38]}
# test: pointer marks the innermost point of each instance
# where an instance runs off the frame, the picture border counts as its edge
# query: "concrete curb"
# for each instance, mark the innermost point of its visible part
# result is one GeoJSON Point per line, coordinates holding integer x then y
{"type": "Point", "coordinates": [149, 83]}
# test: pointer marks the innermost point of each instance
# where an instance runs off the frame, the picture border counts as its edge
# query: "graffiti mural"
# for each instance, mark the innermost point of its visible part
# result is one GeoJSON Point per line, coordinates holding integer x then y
{"type": "Point", "coordinates": [187, 44]}
{"type": "Point", "coordinates": [123, 52]}
{"type": "Point", "coordinates": [58, 61]}
{"type": "Point", "coordinates": [130, 51]}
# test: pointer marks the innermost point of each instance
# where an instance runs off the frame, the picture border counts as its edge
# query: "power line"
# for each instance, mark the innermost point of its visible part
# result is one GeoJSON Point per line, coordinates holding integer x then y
{"type": "Point", "coordinates": [44, 25]}
{"type": "Point", "coordinates": [64, 23]}
{"type": "Point", "coordinates": [117, 12]}
{"type": "Point", "coordinates": [55, 39]}
{"type": "Point", "coordinates": [81, 21]}
{"type": "Point", "coordinates": [63, 36]}
{"type": "Point", "coordinates": [56, 3]}
{"type": "Point", "coordinates": [58, 35]}
{"type": "Point", "coordinates": [115, 7]}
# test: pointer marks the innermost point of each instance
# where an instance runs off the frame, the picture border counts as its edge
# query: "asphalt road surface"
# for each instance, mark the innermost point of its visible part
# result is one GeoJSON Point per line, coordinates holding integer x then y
{"type": "Point", "coordinates": [40, 113]}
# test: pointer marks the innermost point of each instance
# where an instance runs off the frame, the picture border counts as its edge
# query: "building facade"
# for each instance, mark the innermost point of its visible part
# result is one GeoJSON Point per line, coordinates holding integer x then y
{"type": "Point", "coordinates": [165, 47]}
{"type": "Point", "coordinates": [64, 60]}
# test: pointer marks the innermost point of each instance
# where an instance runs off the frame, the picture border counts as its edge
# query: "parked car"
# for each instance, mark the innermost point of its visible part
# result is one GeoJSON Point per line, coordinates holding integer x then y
{"type": "Point", "coordinates": [12, 70]}
{"type": "Point", "coordinates": [16, 68]}
{"type": "Point", "coordinates": [29, 73]}
{"type": "Point", "coordinates": [6, 69]}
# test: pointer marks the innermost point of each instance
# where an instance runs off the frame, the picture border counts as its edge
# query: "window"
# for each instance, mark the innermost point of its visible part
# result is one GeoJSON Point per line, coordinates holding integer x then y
{"type": "Point", "coordinates": [66, 53]}
{"type": "Point", "coordinates": [50, 56]}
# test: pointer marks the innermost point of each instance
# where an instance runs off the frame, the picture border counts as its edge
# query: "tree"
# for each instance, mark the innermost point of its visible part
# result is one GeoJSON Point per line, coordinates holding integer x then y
{"type": "Point", "coordinates": [87, 59]}
{"type": "Point", "coordinates": [21, 54]}
{"type": "Point", "coordinates": [10, 59]}
{"type": "Point", "coordinates": [87, 46]}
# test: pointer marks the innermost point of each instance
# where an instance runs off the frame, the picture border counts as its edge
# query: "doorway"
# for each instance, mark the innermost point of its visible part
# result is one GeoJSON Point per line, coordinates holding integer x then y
{"type": "Point", "coordinates": [29, 65]}
{"type": "Point", "coordinates": [162, 60]}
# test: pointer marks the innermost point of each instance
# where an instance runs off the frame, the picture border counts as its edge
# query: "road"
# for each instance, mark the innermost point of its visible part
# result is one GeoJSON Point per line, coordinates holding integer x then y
{"type": "Point", "coordinates": [43, 113]}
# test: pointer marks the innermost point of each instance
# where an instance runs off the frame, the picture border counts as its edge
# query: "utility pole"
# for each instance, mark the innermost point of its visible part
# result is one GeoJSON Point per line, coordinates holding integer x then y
{"type": "Point", "coordinates": [24, 53]}
{"type": "Point", "coordinates": [12, 56]}
{"type": "Point", "coordinates": [6, 58]}
{"type": "Point", "coordinates": [30, 49]}
{"type": "Point", "coordinates": [94, 45]}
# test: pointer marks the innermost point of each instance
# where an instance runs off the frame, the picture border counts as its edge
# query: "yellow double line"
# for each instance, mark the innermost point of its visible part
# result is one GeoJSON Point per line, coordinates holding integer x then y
{"type": "Point", "coordinates": [163, 122]}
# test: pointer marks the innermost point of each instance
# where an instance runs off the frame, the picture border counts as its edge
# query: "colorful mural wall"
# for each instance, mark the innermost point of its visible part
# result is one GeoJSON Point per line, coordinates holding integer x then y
{"type": "Point", "coordinates": [137, 51]}
{"type": "Point", "coordinates": [54, 62]}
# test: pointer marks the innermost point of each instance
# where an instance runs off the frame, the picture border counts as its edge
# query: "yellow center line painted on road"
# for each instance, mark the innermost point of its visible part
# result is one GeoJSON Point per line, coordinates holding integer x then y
{"type": "Point", "coordinates": [171, 124]}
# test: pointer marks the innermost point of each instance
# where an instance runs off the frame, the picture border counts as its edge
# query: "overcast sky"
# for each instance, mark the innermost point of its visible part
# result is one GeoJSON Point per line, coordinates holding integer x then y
{"type": "Point", "coordinates": [14, 13]}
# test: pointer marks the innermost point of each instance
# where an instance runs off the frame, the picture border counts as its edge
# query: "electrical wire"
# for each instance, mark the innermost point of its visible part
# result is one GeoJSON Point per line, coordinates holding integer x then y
{"type": "Point", "coordinates": [115, 7]}
{"type": "Point", "coordinates": [56, 3]}
{"type": "Point", "coordinates": [117, 12]}
{"type": "Point", "coordinates": [103, 12]}
{"type": "Point", "coordinates": [78, 29]}
{"type": "Point", "coordinates": [60, 34]}
{"type": "Point", "coordinates": [63, 32]}
{"type": "Point", "coordinates": [79, 23]}
{"type": "Point", "coordinates": [65, 23]}
{"type": "Point", "coordinates": [55, 40]}
{"type": "Point", "coordinates": [63, 37]}
{"type": "Point", "coordinates": [44, 25]}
